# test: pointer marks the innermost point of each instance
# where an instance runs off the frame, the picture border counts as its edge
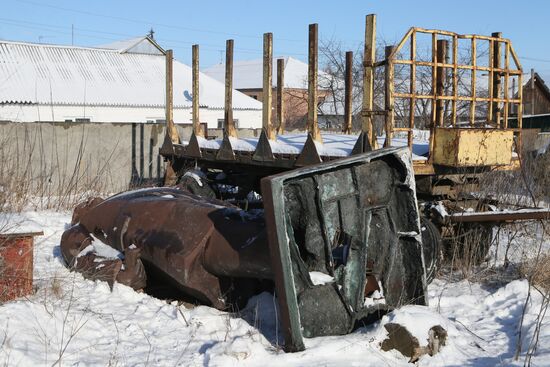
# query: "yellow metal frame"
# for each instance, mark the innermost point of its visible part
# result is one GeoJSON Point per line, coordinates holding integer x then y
{"type": "Point", "coordinates": [498, 99]}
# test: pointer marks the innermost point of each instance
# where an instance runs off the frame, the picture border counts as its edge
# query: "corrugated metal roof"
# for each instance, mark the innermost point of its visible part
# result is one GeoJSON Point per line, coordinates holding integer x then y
{"type": "Point", "coordinates": [138, 45]}
{"type": "Point", "coordinates": [69, 75]}
{"type": "Point", "coordinates": [249, 74]}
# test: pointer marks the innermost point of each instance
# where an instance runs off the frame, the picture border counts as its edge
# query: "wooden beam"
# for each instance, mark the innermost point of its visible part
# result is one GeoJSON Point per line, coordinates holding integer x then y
{"type": "Point", "coordinates": [196, 120]}
{"type": "Point", "coordinates": [490, 82]}
{"type": "Point", "coordinates": [312, 123]}
{"type": "Point", "coordinates": [496, 81]}
{"type": "Point", "coordinates": [506, 82]}
{"type": "Point", "coordinates": [412, 87]}
{"type": "Point", "coordinates": [268, 87]}
{"type": "Point", "coordinates": [280, 96]}
{"type": "Point", "coordinates": [455, 80]}
{"type": "Point", "coordinates": [228, 123]}
{"type": "Point", "coordinates": [442, 47]}
{"type": "Point", "coordinates": [434, 98]}
{"type": "Point", "coordinates": [348, 94]}
{"type": "Point", "coordinates": [369, 58]}
{"type": "Point", "coordinates": [473, 81]}
{"type": "Point", "coordinates": [170, 127]}
{"type": "Point", "coordinates": [389, 97]}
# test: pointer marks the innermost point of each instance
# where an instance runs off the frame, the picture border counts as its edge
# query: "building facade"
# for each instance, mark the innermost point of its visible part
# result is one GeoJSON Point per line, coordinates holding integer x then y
{"type": "Point", "coordinates": [248, 79]}
{"type": "Point", "coordinates": [123, 82]}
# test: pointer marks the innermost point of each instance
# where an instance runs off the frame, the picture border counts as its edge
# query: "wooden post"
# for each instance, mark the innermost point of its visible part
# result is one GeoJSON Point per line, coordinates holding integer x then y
{"type": "Point", "coordinates": [228, 123]}
{"type": "Point", "coordinates": [506, 105]}
{"type": "Point", "coordinates": [412, 86]}
{"type": "Point", "coordinates": [473, 82]}
{"type": "Point", "coordinates": [434, 98]}
{"type": "Point", "coordinates": [369, 58]}
{"type": "Point", "coordinates": [313, 57]}
{"type": "Point", "coordinates": [496, 80]}
{"type": "Point", "coordinates": [348, 94]}
{"type": "Point", "coordinates": [280, 95]}
{"type": "Point", "coordinates": [455, 79]}
{"type": "Point", "coordinates": [268, 86]}
{"type": "Point", "coordinates": [442, 47]}
{"type": "Point", "coordinates": [170, 127]}
{"type": "Point", "coordinates": [196, 121]}
{"type": "Point", "coordinates": [389, 100]}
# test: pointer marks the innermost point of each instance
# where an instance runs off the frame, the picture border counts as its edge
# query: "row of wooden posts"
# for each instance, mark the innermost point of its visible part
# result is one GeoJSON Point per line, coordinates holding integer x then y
{"type": "Point", "coordinates": [267, 123]}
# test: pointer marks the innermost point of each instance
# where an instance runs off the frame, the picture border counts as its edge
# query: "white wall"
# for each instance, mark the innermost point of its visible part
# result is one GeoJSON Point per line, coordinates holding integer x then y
{"type": "Point", "coordinates": [31, 113]}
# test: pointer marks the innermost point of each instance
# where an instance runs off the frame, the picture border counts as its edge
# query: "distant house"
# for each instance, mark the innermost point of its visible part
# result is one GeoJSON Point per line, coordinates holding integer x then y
{"type": "Point", "coordinates": [248, 79]}
{"type": "Point", "coordinates": [536, 96]}
{"type": "Point", "coordinates": [119, 83]}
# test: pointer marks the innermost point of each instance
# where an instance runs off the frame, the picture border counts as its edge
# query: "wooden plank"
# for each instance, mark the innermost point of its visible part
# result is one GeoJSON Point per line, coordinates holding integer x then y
{"type": "Point", "coordinates": [280, 96]}
{"type": "Point", "coordinates": [455, 79]}
{"type": "Point", "coordinates": [434, 97]}
{"type": "Point", "coordinates": [228, 123]}
{"type": "Point", "coordinates": [515, 57]}
{"type": "Point", "coordinates": [448, 65]}
{"type": "Point", "coordinates": [442, 46]}
{"type": "Point", "coordinates": [313, 58]}
{"type": "Point", "coordinates": [461, 36]}
{"type": "Point", "coordinates": [473, 81]}
{"type": "Point", "coordinates": [412, 100]}
{"type": "Point", "coordinates": [267, 111]}
{"type": "Point", "coordinates": [401, 43]}
{"type": "Point", "coordinates": [506, 81]}
{"type": "Point", "coordinates": [369, 58]}
{"type": "Point", "coordinates": [389, 96]}
{"type": "Point", "coordinates": [496, 77]}
{"type": "Point", "coordinates": [195, 90]}
{"type": "Point", "coordinates": [490, 82]}
{"type": "Point", "coordinates": [348, 94]}
{"type": "Point", "coordinates": [170, 127]}
{"type": "Point", "coordinates": [450, 98]}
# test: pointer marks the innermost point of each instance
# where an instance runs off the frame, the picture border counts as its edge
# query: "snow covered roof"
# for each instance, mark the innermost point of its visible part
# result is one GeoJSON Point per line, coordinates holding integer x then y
{"type": "Point", "coordinates": [249, 74]}
{"type": "Point", "coordinates": [139, 45]}
{"type": "Point", "coordinates": [116, 76]}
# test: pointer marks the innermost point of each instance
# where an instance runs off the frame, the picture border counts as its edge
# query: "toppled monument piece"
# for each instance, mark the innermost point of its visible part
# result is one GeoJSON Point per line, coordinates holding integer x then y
{"type": "Point", "coordinates": [339, 241]}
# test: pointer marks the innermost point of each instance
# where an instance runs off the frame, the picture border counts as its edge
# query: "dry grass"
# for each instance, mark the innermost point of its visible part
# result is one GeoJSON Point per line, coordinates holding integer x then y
{"type": "Point", "coordinates": [538, 272]}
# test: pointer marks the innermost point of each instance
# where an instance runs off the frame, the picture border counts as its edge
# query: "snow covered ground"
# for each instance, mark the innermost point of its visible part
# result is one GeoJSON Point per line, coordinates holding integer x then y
{"type": "Point", "coordinates": [78, 322]}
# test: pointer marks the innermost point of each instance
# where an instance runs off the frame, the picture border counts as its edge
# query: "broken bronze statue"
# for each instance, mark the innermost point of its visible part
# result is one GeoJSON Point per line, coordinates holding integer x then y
{"type": "Point", "coordinates": [339, 240]}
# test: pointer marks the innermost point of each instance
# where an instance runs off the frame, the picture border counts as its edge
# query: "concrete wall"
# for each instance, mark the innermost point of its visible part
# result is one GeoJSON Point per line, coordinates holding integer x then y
{"type": "Point", "coordinates": [33, 113]}
{"type": "Point", "coordinates": [59, 157]}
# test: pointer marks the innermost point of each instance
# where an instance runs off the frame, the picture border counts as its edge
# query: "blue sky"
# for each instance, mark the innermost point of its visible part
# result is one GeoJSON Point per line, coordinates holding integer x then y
{"type": "Point", "coordinates": [179, 24]}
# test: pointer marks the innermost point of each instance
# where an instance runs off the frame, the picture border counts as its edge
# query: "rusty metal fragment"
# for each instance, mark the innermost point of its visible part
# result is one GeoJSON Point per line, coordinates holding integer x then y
{"type": "Point", "coordinates": [352, 222]}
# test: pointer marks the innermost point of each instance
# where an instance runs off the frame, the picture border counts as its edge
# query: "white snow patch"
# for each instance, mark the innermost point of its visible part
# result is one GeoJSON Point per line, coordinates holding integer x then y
{"type": "Point", "coordinates": [318, 278]}
{"type": "Point", "coordinates": [194, 176]}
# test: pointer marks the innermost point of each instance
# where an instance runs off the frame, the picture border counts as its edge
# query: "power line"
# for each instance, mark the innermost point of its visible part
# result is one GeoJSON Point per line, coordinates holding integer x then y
{"type": "Point", "coordinates": [93, 14]}
{"type": "Point", "coordinates": [533, 59]}
{"type": "Point", "coordinates": [78, 31]}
